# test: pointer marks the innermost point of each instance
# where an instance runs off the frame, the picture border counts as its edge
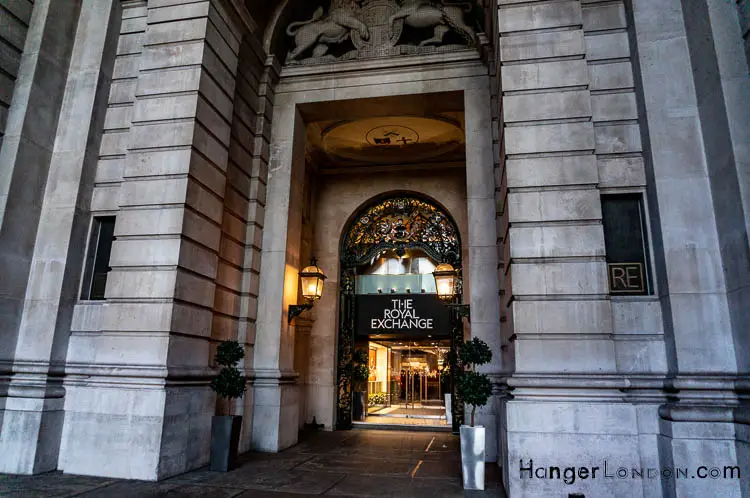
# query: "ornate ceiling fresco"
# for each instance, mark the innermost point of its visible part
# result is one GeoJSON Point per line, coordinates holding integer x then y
{"type": "Point", "coordinates": [360, 29]}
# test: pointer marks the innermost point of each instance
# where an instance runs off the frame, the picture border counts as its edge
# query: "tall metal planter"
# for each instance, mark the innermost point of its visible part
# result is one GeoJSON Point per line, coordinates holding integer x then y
{"type": "Point", "coordinates": [225, 442]}
{"type": "Point", "coordinates": [472, 456]}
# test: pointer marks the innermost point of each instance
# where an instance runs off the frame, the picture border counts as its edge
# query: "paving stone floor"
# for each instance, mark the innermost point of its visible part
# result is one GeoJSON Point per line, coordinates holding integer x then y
{"type": "Point", "coordinates": [352, 463]}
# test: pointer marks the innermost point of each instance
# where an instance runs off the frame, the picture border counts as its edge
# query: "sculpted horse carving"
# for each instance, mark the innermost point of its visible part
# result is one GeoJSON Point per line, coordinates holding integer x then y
{"type": "Point", "coordinates": [428, 14]}
{"type": "Point", "coordinates": [321, 31]}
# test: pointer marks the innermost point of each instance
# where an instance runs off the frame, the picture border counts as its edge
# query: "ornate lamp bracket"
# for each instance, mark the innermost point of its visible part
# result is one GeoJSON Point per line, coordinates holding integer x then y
{"type": "Point", "coordinates": [296, 310]}
{"type": "Point", "coordinates": [462, 310]}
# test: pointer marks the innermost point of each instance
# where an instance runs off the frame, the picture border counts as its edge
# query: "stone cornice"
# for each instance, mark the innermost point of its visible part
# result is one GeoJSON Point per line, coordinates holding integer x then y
{"type": "Point", "coordinates": [403, 61]}
{"type": "Point", "coordinates": [705, 413]}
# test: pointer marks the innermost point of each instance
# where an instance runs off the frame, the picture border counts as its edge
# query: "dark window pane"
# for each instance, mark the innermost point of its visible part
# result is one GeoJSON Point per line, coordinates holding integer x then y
{"type": "Point", "coordinates": [97, 264]}
{"type": "Point", "coordinates": [625, 241]}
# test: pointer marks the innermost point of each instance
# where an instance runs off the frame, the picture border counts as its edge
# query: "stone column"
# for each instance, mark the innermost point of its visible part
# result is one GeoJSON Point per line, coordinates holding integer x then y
{"type": "Point", "coordinates": [722, 85]}
{"type": "Point", "coordinates": [40, 167]}
{"type": "Point", "coordinates": [556, 282]}
{"type": "Point", "coordinates": [238, 273]}
{"type": "Point", "coordinates": [276, 411]}
{"type": "Point", "coordinates": [483, 287]}
{"type": "Point", "coordinates": [134, 409]}
{"type": "Point", "coordinates": [698, 202]}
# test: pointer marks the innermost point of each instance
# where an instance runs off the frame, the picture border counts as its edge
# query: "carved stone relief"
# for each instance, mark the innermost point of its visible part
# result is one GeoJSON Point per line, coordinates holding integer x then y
{"type": "Point", "coordinates": [375, 29]}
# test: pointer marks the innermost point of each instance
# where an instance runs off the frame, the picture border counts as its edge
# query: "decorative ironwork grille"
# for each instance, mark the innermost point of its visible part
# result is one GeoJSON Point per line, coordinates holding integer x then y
{"type": "Point", "coordinates": [396, 223]}
{"type": "Point", "coordinates": [402, 223]}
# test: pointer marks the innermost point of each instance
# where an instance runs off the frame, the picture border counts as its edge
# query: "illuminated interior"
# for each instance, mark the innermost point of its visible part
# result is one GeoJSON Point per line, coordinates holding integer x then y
{"type": "Point", "coordinates": [407, 384]}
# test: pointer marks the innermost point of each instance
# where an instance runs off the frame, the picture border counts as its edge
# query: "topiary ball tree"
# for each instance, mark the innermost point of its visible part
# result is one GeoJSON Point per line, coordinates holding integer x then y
{"type": "Point", "coordinates": [360, 368]}
{"type": "Point", "coordinates": [473, 388]}
{"type": "Point", "coordinates": [230, 383]}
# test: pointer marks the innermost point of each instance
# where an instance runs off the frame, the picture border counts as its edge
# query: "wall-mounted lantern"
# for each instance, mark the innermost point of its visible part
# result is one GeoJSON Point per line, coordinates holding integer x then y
{"type": "Point", "coordinates": [311, 278]}
{"type": "Point", "coordinates": [445, 281]}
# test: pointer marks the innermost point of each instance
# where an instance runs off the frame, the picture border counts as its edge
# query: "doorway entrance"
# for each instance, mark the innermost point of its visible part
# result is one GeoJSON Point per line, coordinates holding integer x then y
{"type": "Point", "coordinates": [411, 388]}
{"type": "Point", "coordinates": [395, 333]}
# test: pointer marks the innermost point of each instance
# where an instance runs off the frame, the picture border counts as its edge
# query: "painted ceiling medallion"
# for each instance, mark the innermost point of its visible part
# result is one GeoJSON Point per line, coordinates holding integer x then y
{"type": "Point", "coordinates": [395, 140]}
{"type": "Point", "coordinates": [392, 135]}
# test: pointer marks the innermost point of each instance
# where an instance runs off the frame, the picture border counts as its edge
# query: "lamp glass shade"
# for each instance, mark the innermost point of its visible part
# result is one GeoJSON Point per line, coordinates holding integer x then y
{"type": "Point", "coordinates": [445, 281]}
{"type": "Point", "coordinates": [312, 278]}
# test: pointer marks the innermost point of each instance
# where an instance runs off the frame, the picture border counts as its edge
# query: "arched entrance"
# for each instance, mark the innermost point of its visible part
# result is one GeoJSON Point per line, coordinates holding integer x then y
{"type": "Point", "coordinates": [388, 251]}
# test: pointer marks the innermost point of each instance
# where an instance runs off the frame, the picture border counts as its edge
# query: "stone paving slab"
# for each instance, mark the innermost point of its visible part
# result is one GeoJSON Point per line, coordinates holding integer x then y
{"type": "Point", "coordinates": [354, 463]}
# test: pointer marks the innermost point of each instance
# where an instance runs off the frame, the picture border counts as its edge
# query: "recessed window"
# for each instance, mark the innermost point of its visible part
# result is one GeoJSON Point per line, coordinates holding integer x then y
{"type": "Point", "coordinates": [626, 244]}
{"type": "Point", "coordinates": [97, 263]}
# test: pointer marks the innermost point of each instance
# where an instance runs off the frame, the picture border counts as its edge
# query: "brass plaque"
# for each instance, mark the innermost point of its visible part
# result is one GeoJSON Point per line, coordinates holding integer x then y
{"type": "Point", "coordinates": [626, 278]}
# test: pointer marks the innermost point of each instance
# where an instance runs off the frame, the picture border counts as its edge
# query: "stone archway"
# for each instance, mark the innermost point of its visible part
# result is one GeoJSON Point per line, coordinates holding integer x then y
{"type": "Point", "coordinates": [398, 222]}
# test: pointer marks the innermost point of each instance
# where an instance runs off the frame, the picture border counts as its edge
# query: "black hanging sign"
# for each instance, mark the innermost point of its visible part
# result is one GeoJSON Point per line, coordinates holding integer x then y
{"type": "Point", "coordinates": [402, 315]}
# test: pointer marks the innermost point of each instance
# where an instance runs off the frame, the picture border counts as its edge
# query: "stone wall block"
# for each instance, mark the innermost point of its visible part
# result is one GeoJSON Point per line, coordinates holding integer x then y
{"type": "Point", "coordinates": [176, 31]}
{"type": "Point", "coordinates": [185, 79]}
{"type": "Point", "coordinates": [167, 107]}
{"type": "Point", "coordinates": [618, 139]}
{"type": "Point", "coordinates": [607, 46]}
{"type": "Point", "coordinates": [574, 354]}
{"type": "Point", "coordinates": [217, 125]}
{"type": "Point", "coordinates": [195, 289]}
{"type": "Point", "coordinates": [554, 205]}
{"type": "Point", "coordinates": [622, 172]}
{"type": "Point", "coordinates": [556, 241]}
{"type": "Point", "coordinates": [559, 278]}
{"type": "Point", "coordinates": [614, 107]}
{"type": "Point", "coordinates": [551, 171]}
{"type": "Point", "coordinates": [549, 138]}
{"type": "Point", "coordinates": [201, 230]}
{"type": "Point", "coordinates": [223, 44]}
{"type": "Point", "coordinates": [141, 284]}
{"type": "Point", "coordinates": [204, 201]}
{"type": "Point", "coordinates": [216, 96]}
{"type": "Point", "coordinates": [590, 317]}
{"type": "Point", "coordinates": [153, 192]}
{"type": "Point", "coordinates": [198, 259]}
{"type": "Point", "coordinates": [519, 47]}
{"type": "Point", "coordinates": [604, 17]}
{"type": "Point", "coordinates": [21, 9]}
{"type": "Point", "coordinates": [149, 221]}
{"type": "Point", "coordinates": [142, 252]}
{"type": "Point", "coordinates": [109, 170]}
{"type": "Point", "coordinates": [122, 92]}
{"type": "Point", "coordinates": [130, 43]}
{"type": "Point", "coordinates": [539, 16]}
{"type": "Point", "coordinates": [172, 56]}
{"type": "Point", "coordinates": [177, 12]}
{"type": "Point", "coordinates": [611, 76]}
{"type": "Point", "coordinates": [537, 107]}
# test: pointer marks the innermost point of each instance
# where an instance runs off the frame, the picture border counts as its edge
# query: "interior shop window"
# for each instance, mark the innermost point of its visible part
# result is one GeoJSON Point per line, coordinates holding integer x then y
{"type": "Point", "coordinates": [97, 263]}
{"type": "Point", "coordinates": [626, 244]}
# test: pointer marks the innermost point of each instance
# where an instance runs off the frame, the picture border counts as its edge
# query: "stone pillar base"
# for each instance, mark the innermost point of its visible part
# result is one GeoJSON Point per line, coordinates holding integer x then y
{"type": "Point", "coordinates": [712, 455]}
{"type": "Point", "coordinates": [275, 414]}
{"type": "Point", "coordinates": [30, 435]}
{"type": "Point", "coordinates": [486, 416]}
{"type": "Point", "coordinates": [553, 447]}
{"type": "Point", "coordinates": [146, 433]}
